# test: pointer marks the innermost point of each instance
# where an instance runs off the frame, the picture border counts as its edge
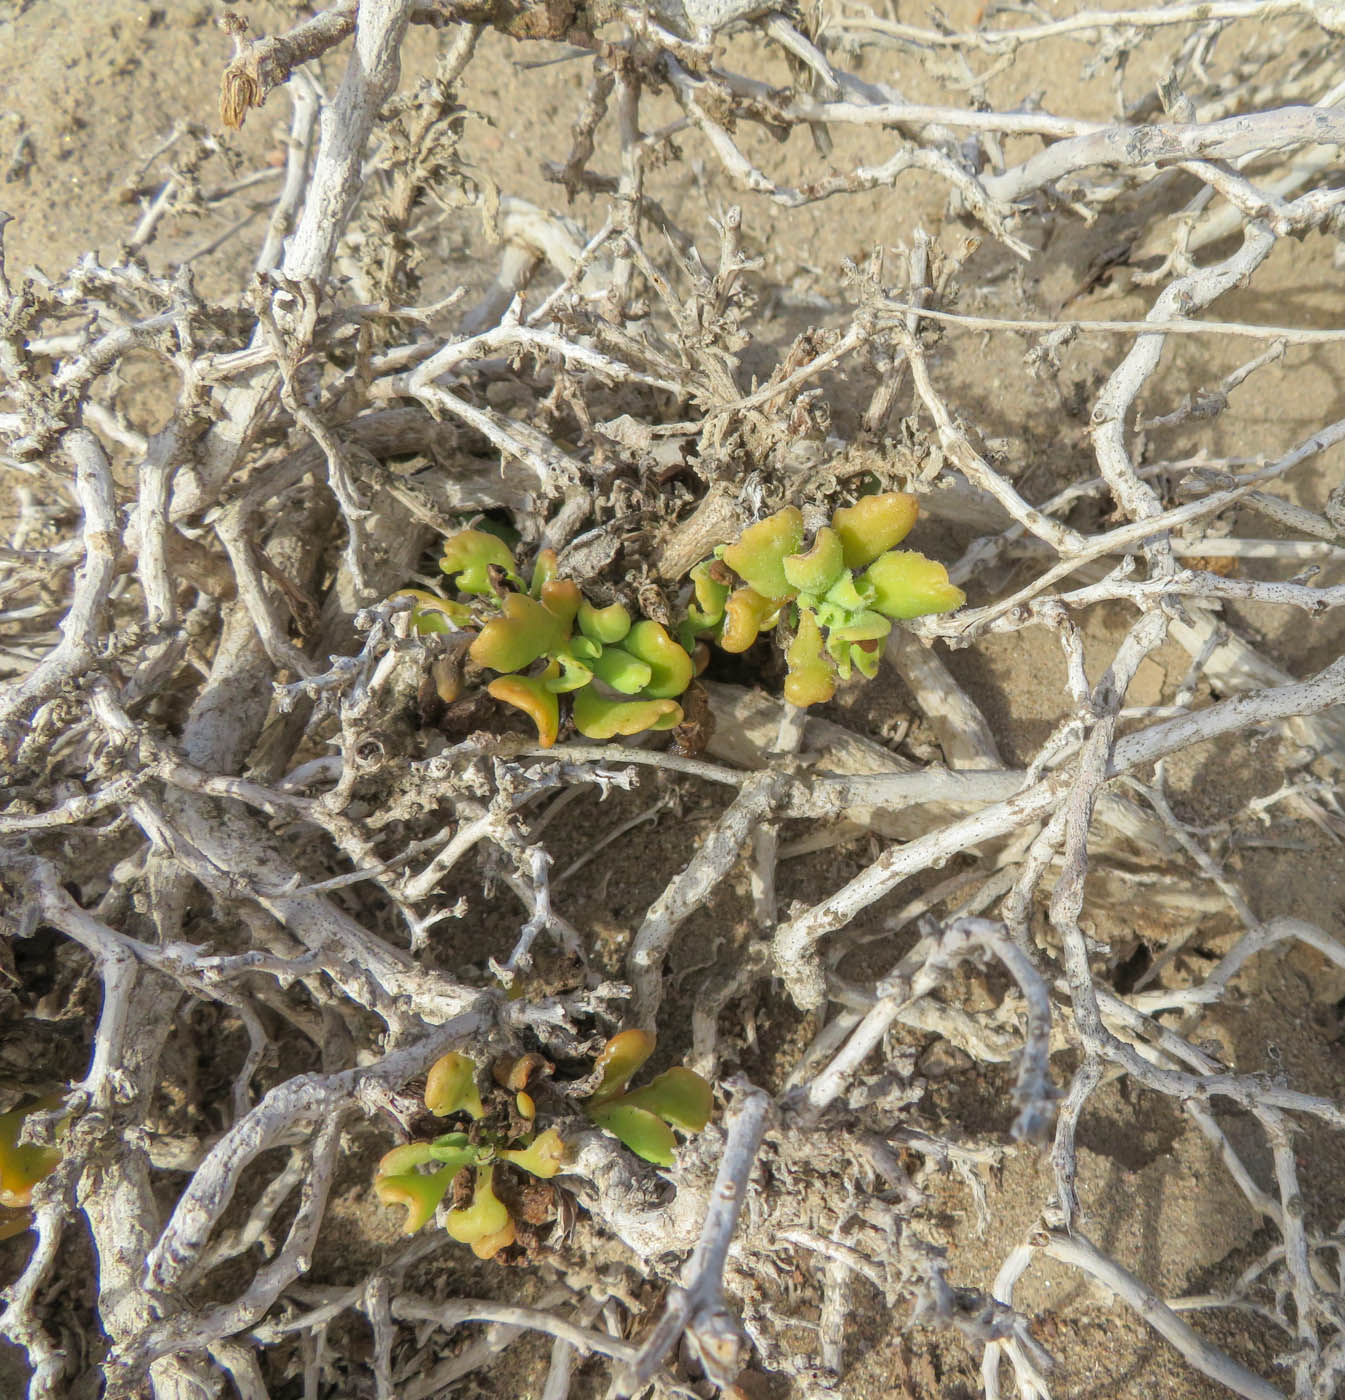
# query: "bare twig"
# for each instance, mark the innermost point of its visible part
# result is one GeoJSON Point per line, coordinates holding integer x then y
{"type": "Point", "coordinates": [698, 1306]}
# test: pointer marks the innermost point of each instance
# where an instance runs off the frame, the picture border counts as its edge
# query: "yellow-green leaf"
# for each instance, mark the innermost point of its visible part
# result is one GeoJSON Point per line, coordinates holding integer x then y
{"type": "Point", "coordinates": [419, 1194]}
{"type": "Point", "coordinates": [486, 1216]}
{"type": "Point", "coordinates": [758, 555]}
{"type": "Point", "coordinates": [450, 1087]}
{"type": "Point", "coordinates": [820, 567]}
{"type": "Point", "coordinates": [433, 614]}
{"type": "Point", "coordinates": [597, 717]}
{"type": "Point", "coordinates": [679, 1096]}
{"type": "Point", "coordinates": [604, 625]}
{"type": "Point", "coordinates": [670, 666]}
{"type": "Point", "coordinates": [616, 667]}
{"type": "Point", "coordinates": [621, 1057]}
{"type": "Point", "coordinates": [471, 554]}
{"type": "Point", "coordinates": [874, 524]}
{"type": "Point", "coordinates": [543, 1157]}
{"type": "Point", "coordinates": [646, 1135]}
{"type": "Point", "coordinates": [711, 595]}
{"type": "Point", "coordinates": [514, 641]}
{"type": "Point", "coordinates": [562, 597]}
{"type": "Point", "coordinates": [402, 1160]}
{"type": "Point", "coordinates": [811, 679]}
{"type": "Point", "coordinates": [544, 569]}
{"type": "Point", "coordinates": [906, 584]}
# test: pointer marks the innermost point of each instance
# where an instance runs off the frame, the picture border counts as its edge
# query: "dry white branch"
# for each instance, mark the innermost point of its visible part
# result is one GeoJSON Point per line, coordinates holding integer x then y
{"type": "Point", "coordinates": [294, 857]}
{"type": "Point", "coordinates": [794, 939]}
{"type": "Point", "coordinates": [698, 1306]}
{"type": "Point", "coordinates": [1131, 147]}
{"type": "Point", "coordinates": [343, 133]}
{"type": "Point", "coordinates": [464, 1310]}
{"type": "Point", "coordinates": [688, 890]}
{"type": "Point", "coordinates": [1085, 23]}
{"type": "Point", "coordinates": [1080, 1253]}
{"type": "Point", "coordinates": [82, 630]}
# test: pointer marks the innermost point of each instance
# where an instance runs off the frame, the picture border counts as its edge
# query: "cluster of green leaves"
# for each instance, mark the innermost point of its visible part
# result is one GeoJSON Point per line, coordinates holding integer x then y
{"type": "Point", "coordinates": [419, 1175]}
{"type": "Point", "coordinates": [547, 640]}
{"type": "Point", "coordinates": [484, 1223]}
{"type": "Point", "coordinates": [22, 1166]}
{"type": "Point", "coordinates": [841, 595]}
{"type": "Point", "coordinates": [643, 1119]}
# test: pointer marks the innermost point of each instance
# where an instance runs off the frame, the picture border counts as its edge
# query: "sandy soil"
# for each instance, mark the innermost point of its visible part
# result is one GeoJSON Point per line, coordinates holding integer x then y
{"type": "Point", "coordinates": [94, 90]}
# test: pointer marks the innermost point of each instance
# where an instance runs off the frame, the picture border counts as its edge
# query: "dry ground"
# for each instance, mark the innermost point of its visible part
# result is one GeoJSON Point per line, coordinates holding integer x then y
{"type": "Point", "coordinates": [93, 90]}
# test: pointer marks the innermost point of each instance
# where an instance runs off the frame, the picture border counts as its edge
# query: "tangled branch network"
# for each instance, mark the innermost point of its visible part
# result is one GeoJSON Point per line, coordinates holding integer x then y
{"type": "Point", "coordinates": [263, 877]}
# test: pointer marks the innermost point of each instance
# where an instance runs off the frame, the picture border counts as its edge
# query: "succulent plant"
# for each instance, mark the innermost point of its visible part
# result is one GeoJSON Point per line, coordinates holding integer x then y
{"type": "Point", "coordinates": [503, 1130]}
{"type": "Point", "coordinates": [484, 1222]}
{"type": "Point", "coordinates": [841, 594]}
{"type": "Point", "coordinates": [644, 1118]}
{"type": "Point", "coordinates": [623, 675]}
{"type": "Point", "coordinates": [22, 1166]}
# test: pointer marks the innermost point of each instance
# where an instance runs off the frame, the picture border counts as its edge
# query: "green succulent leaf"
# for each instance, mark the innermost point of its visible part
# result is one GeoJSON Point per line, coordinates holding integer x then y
{"type": "Point", "coordinates": [646, 1134]}
{"type": "Point", "coordinates": [670, 666]}
{"type": "Point", "coordinates": [420, 1194]}
{"type": "Point", "coordinates": [906, 584]}
{"type": "Point", "coordinates": [621, 1057]}
{"type": "Point", "coordinates": [597, 717]}
{"type": "Point", "coordinates": [470, 555]}
{"type": "Point", "coordinates": [711, 595]}
{"type": "Point", "coordinates": [402, 1160]}
{"type": "Point", "coordinates": [874, 524]}
{"type": "Point", "coordinates": [544, 569]}
{"type": "Point", "coordinates": [679, 1096]}
{"type": "Point", "coordinates": [866, 625]}
{"type": "Point", "coordinates": [839, 651]}
{"type": "Point", "coordinates": [450, 1087]}
{"type": "Point", "coordinates": [855, 644]}
{"type": "Point", "coordinates": [846, 594]}
{"type": "Point", "coordinates": [574, 672]}
{"type": "Point", "coordinates": [584, 649]}
{"type": "Point", "coordinates": [605, 626]}
{"type": "Point", "coordinates": [623, 672]}
{"type": "Point", "coordinates": [433, 614]}
{"type": "Point", "coordinates": [758, 555]}
{"type": "Point", "coordinates": [865, 659]}
{"type": "Point", "coordinates": [820, 567]}
{"type": "Point", "coordinates": [514, 641]}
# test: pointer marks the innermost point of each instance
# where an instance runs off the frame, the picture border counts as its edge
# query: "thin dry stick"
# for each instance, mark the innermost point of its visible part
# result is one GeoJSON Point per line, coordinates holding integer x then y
{"type": "Point", "coordinates": [688, 890]}
{"type": "Point", "coordinates": [147, 707]}
{"type": "Point", "coordinates": [698, 1306]}
{"type": "Point", "coordinates": [408, 1308]}
{"type": "Point", "coordinates": [82, 627]}
{"type": "Point", "coordinates": [1085, 23]}
{"type": "Point", "coordinates": [794, 939]}
{"type": "Point", "coordinates": [1074, 1249]}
